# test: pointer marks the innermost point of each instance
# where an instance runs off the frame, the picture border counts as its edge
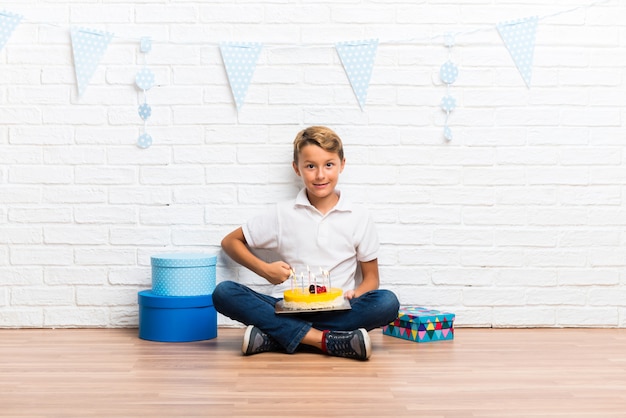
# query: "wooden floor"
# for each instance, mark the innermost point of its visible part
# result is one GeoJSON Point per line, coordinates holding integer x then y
{"type": "Point", "coordinates": [482, 373]}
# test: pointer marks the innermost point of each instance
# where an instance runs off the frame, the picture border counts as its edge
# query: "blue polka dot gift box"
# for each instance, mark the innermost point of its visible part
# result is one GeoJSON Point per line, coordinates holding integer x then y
{"type": "Point", "coordinates": [183, 274]}
{"type": "Point", "coordinates": [421, 325]}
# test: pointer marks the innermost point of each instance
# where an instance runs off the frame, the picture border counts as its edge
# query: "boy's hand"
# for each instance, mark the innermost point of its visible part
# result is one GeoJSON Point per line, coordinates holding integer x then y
{"type": "Point", "coordinates": [277, 272]}
{"type": "Point", "coordinates": [349, 294]}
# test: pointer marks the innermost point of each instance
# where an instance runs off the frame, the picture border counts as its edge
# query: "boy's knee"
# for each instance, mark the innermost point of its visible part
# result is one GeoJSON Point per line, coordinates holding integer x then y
{"type": "Point", "coordinates": [390, 303]}
{"type": "Point", "coordinates": [222, 292]}
{"type": "Point", "coordinates": [226, 286]}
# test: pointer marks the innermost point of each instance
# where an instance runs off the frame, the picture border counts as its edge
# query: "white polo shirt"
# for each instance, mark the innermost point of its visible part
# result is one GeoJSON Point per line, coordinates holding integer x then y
{"type": "Point", "coordinates": [302, 236]}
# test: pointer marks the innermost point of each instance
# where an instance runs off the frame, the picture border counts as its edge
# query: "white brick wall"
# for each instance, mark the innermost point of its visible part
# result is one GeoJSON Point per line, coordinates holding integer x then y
{"type": "Point", "coordinates": [519, 221]}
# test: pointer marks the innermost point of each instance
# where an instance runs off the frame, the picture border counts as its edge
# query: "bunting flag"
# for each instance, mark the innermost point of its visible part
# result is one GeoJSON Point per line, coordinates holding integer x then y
{"type": "Point", "coordinates": [89, 46]}
{"type": "Point", "coordinates": [357, 58]}
{"type": "Point", "coordinates": [519, 39]}
{"type": "Point", "coordinates": [8, 23]}
{"type": "Point", "coordinates": [240, 60]}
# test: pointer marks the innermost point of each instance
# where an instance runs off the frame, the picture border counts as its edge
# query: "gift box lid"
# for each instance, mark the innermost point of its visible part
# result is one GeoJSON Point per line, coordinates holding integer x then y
{"type": "Point", "coordinates": [419, 315]}
{"type": "Point", "coordinates": [183, 260]}
{"type": "Point", "coordinates": [148, 299]}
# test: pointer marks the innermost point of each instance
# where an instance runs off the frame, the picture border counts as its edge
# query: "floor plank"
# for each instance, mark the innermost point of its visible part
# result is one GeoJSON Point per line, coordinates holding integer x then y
{"type": "Point", "coordinates": [482, 373]}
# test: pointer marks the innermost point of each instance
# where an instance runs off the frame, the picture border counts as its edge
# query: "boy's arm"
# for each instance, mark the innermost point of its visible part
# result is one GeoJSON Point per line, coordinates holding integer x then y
{"type": "Point", "coordinates": [235, 245]}
{"type": "Point", "coordinates": [370, 279]}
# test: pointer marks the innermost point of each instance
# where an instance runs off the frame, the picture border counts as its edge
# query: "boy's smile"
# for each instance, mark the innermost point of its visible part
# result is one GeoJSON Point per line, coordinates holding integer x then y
{"type": "Point", "coordinates": [319, 170]}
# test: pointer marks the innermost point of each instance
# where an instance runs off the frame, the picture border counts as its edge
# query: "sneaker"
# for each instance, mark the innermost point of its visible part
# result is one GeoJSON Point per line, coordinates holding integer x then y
{"type": "Point", "coordinates": [350, 344]}
{"type": "Point", "coordinates": [256, 341]}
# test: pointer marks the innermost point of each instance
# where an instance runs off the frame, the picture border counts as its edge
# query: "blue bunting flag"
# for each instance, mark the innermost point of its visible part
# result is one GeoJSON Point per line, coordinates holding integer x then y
{"type": "Point", "coordinates": [89, 46]}
{"type": "Point", "coordinates": [519, 39]}
{"type": "Point", "coordinates": [240, 62]}
{"type": "Point", "coordinates": [357, 58]}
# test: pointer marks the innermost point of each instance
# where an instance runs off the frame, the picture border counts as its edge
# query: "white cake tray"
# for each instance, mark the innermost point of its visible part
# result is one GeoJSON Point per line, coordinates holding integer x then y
{"type": "Point", "coordinates": [280, 308]}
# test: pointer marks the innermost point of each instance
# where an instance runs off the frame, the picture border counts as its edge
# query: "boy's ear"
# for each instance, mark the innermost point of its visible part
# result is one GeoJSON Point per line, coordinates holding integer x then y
{"type": "Point", "coordinates": [295, 168]}
{"type": "Point", "coordinates": [343, 164]}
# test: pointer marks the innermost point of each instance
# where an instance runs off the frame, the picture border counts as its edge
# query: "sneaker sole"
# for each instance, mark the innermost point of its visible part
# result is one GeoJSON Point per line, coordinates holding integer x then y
{"type": "Point", "coordinates": [246, 339]}
{"type": "Point", "coordinates": [367, 342]}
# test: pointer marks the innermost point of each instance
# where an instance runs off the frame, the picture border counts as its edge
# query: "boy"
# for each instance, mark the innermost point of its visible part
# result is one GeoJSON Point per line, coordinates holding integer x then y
{"type": "Point", "coordinates": [321, 229]}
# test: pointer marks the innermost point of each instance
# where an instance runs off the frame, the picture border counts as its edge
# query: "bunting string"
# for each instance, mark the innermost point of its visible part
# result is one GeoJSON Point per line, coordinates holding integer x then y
{"type": "Point", "coordinates": [448, 74]}
{"type": "Point", "coordinates": [145, 81]}
{"type": "Point", "coordinates": [291, 45]}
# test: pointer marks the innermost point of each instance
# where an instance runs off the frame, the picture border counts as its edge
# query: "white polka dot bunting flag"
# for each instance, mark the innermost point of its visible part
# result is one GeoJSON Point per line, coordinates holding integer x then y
{"type": "Point", "coordinates": [448, 103]}
{"type": "Point", "coordinates": [8, 23]}
{"type": "Point", "coordinates": [519, 39]}
{"type": "Point", "coordinates": [89, 46]}
{"type": "Point", "coordinates": [448, 72]}
{"type": "Point", "coordinates": [144, 79]}
{"type": "Point", "coordinates": [240, 62]}
{"type": "Point", "coordinates": [145, 44]}
{"type": "Point", "coordinates": [144, 141]}
{"type": "Point", "coordinates": [357, 58]}
{"type": "Point", "coordinates": [145, 111]}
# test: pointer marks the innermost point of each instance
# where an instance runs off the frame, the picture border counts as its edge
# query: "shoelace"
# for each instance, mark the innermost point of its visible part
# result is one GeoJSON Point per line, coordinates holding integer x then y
{"type": "Point", "coordinates": [267, 343]}
{"type": "Point", "coordinates": [338, 344]}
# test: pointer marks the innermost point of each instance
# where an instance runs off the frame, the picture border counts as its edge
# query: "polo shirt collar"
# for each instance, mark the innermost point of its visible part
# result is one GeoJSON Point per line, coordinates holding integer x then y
{"type": "Point", "coordinates": [343, 204]}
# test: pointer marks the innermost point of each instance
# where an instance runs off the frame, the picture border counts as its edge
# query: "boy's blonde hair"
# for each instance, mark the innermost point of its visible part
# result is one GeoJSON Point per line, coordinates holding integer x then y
{"type": "Point", "coordinates": [321, 136]}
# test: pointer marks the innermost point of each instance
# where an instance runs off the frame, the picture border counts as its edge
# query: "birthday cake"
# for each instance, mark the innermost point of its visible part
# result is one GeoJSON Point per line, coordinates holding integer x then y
{"type": "Point", "coordinates": [312, 296]}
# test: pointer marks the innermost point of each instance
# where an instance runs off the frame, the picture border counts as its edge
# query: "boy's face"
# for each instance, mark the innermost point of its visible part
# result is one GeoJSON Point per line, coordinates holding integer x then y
{"type": "Point", "coordinates": [319, 170]}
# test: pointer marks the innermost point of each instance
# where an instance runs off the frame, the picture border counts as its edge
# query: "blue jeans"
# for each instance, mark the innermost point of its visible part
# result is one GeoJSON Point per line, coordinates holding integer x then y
{"type": "Point", "coordinates": [371, 310]}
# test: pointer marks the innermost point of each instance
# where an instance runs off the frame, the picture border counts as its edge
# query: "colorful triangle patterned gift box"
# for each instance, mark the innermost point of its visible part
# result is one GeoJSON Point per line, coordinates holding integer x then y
{"type": "Point", "coordinates": [421, 325]}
